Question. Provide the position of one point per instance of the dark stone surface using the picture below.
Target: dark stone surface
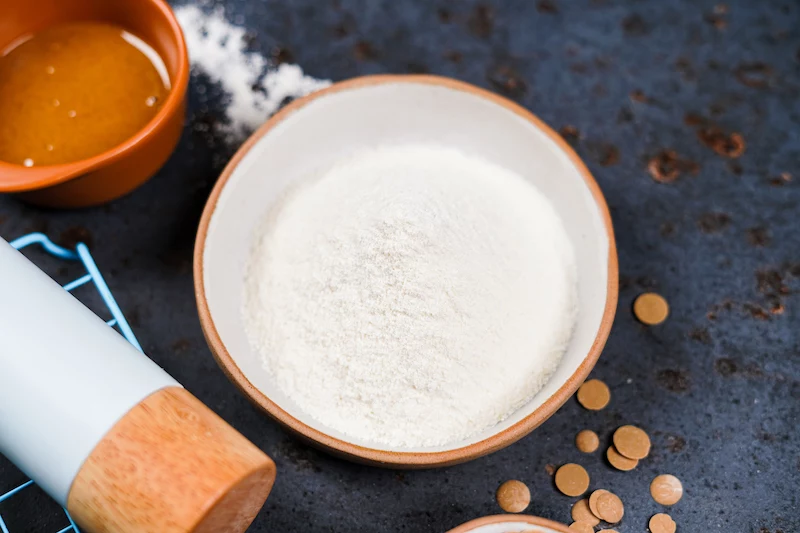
(717, 386)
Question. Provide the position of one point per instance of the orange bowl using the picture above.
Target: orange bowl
(120, 170)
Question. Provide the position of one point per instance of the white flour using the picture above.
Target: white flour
(411, 296)
(218, 48)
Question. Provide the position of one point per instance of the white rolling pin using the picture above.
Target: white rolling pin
(104, 430)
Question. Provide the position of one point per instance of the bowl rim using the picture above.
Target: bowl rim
(402, 459)
(500, 518)
(49, 175)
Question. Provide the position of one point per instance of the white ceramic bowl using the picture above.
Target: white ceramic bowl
(313, 133)
(508, 523)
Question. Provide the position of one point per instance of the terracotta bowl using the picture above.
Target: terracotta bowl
(123, 168)
(511, 523)
(314, 132)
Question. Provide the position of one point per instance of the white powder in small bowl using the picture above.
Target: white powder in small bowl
(411, 296)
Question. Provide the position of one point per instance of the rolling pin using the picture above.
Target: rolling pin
(105, 431)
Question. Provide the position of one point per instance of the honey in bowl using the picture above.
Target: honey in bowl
(74, 91)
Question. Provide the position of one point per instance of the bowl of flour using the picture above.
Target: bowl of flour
(406, 270)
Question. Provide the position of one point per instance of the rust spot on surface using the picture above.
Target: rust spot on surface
(675, 443)
(570, 133)
(181, 345)
(771, 282)
(550, 469)
(666, 166)
(546, 6)
(758, 236)
(70, 237)
(700, 335)
(727, 145)
(694, 119)
(364, 51)
(453, 56)
(506, 80)
(445, 15)
(674, 380)
(713, 222)
(781, 180)
(634, 25)
(637, 95)
(609, 155)
(667, 229)
(725, 367)
(717, 20)
(735, 167)
(757, 75)
(281, 54)
(481, 21)
(756, 311)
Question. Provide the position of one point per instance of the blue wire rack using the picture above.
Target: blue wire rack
(117, 320)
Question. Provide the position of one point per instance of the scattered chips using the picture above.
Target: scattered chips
(610, 508)
(587, 441)
(662, 523)
(513, 496)
(650, 308)
(619, 461)
(594, 395)
(593, 498)
(572, 479)
(582, 513)
(666, 489)
(582, 527)
(632, 442)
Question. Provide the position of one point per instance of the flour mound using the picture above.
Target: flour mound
(411, 296)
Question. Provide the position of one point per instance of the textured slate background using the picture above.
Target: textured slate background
(717, 386)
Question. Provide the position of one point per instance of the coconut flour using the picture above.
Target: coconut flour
(411, 296)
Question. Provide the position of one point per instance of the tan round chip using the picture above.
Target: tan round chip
(582, 513)
(594, 395)
(572, 479)
(651, 308)
(610, 507)
(632, 442)
(587, 441)
(666, 489)
(593, 498)
(662, 523)
(513, 496)
(582, 527)
(619, 461)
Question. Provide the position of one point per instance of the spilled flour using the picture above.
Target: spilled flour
(411, 296)
(219, 49)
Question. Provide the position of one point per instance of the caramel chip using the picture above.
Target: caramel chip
(572, 479)
(595, 496)
(619, 461)
(594, 395)
(610, 507)
(662, 523)
(666, 489)
(513, 496)
(651, 308)
(582, 513)
(582, 527)
(587, 441)
(632, 442)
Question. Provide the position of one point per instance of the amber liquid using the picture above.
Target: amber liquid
(74, 91)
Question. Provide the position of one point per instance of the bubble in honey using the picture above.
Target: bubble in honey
(151, 101)
(56, 102)
(72, 113)
(50, 147)
(28, 162)
(51, 69)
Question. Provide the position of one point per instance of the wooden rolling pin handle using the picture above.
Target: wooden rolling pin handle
(171, 465)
